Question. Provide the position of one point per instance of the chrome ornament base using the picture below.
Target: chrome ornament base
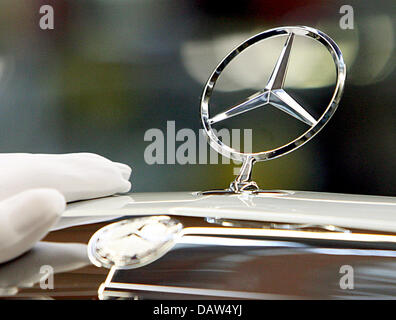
(247, 192)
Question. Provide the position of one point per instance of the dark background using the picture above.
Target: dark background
(111, 70)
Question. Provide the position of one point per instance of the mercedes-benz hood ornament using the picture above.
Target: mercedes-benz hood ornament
(273, 94)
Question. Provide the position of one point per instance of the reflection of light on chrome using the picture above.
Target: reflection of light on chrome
(354, 237)
(353, 252)
(310, 64)
(385, 270)
(218, 241)
(355, 202)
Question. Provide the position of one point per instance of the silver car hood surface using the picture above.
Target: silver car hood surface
(375, 213)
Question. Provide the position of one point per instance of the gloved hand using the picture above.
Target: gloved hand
(35, 187)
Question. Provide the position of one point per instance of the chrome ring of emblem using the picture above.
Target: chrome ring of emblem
(274, 87)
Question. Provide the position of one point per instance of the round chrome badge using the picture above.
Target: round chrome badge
(134, 242)
(275, 95)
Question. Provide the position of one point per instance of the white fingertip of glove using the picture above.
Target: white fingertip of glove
(26, 218)
(125, 170)
(78, 176)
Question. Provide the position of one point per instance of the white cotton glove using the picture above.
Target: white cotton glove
(36, 186)
(77, 176)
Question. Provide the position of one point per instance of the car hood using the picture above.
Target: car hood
(375, 213)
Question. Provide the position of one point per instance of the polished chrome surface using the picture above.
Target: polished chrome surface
(135, 242)
(238, 268)
(272, 94)
(274, 225)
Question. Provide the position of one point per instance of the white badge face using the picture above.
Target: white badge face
(273, 94)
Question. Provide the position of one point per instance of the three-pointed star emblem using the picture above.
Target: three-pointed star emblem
(272, 94)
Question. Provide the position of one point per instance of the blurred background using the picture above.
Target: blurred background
(111, 70)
